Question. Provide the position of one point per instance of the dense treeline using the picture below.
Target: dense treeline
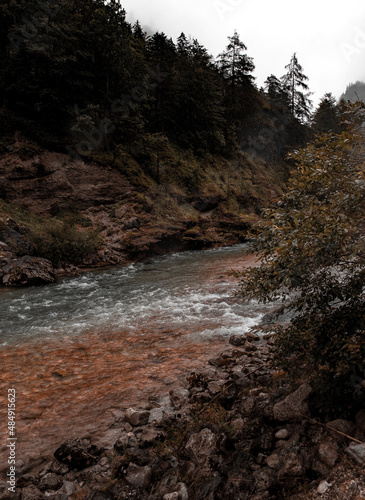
(76, 74)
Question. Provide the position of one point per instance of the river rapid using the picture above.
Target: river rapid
(79, 351)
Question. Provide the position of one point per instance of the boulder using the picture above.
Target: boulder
(137, 417)
(357, 452)
(26, 270)
(237, 340)
(139, 476)
(200, 447)
(294, 406)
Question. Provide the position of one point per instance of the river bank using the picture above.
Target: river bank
(234, 429)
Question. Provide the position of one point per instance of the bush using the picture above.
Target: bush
(312, 252)
(63, 243)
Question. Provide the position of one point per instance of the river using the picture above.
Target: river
(79, 351)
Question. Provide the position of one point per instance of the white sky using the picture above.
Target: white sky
(328, 36)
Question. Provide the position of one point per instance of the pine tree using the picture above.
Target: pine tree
(327, 116)
(294, 83)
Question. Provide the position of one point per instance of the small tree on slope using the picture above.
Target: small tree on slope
(312, 252)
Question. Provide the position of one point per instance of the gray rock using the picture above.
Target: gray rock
(156, 415)
(357, 452)
(293, 407)
(201, 446)
(171, 496)
(50, 482)
(137, 417)
(179, 397)
(282, 434)
(323, 487)
(139, 476)
(182, 491)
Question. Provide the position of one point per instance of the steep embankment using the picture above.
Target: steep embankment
(105, 209)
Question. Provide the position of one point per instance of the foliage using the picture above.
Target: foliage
(63, 243)
(312, 251)
(327, 116)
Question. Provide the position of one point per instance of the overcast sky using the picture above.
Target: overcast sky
(328, 36)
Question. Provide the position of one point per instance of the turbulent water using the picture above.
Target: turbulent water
(170, 292)
(78, 351)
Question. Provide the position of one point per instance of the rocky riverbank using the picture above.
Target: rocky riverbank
(238, 430)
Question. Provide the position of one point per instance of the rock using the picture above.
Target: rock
(127, 440)
(293, 466)
(293, 407)
(171, 496)
(128, 427)
(77, 454)
(139, 476)
(150, 435)
(345, 426)
(32, 493)
(328, 453)
(27, 271)
(156, 415)
(200, 447)
(182, 491)
(137, 417)
(215, 386)
(274, 461)
(179, 397)
(252, 337)
(50, 481)
(323, 487)
(282, 434)
(237, 340)
(357, 452)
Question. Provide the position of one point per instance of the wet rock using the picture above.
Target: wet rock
(237, 340)
(139, 476)
(294, 406)
(137, 417)
(357, 452)
(200, 447)
(77, 454)
(252, 337)
(27, 270)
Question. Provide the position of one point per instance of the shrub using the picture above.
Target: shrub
(312, 251)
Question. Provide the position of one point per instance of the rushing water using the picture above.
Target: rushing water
(79, 350)
(172, 292)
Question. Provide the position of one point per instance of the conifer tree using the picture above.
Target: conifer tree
(294, 83)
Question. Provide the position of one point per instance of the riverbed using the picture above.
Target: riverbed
(79, 351)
